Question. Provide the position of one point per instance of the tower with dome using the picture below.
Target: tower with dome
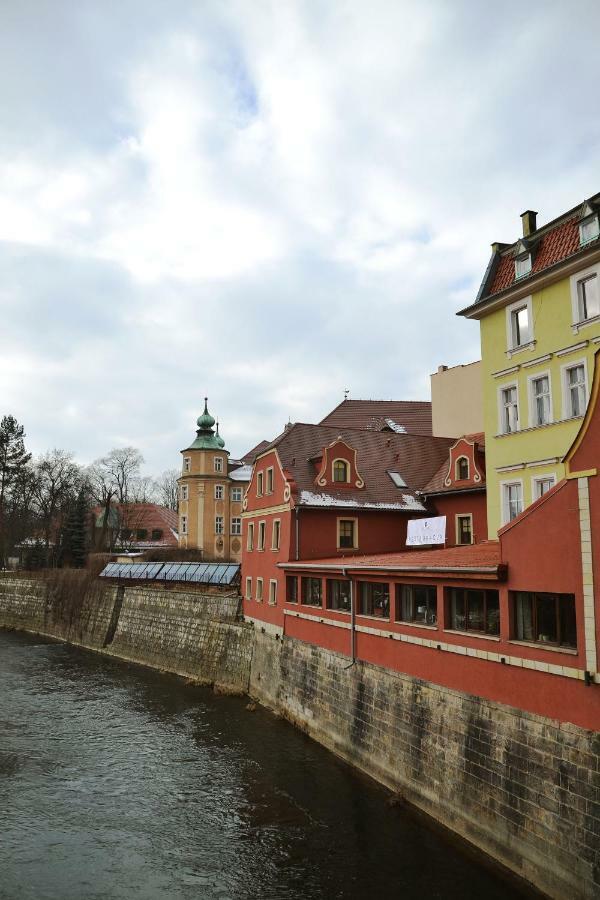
(211, 491)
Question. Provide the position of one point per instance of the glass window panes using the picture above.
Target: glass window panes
(338, 594)
(510, 410)
(523, 265)
(588, 229)
(541, 400)
(236, 494)
(236, 525)
(340, 470)
(462, 468)
(513, 498)
(576, 388)
(588, 296)
(219, 490)
(311, 591)
(276, 535)
(291, 589)
(346, 535)
(545, 618)
(521, 326)
(416, 603)
(374, 599)
(541, 486)
(473, 610)
(464, 530)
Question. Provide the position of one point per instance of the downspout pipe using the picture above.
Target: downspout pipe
(352, 622)
(297, 524)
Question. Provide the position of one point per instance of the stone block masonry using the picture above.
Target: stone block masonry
(524, 789)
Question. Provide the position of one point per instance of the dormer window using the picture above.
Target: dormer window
(589, 229)
(341, 471)
(522, 265)
(462, 468)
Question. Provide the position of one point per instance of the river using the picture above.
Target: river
(119, 783)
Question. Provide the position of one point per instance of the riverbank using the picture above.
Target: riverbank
(523, 789)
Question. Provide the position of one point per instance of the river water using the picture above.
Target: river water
(117, 782)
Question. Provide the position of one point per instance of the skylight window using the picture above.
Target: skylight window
(397, 479)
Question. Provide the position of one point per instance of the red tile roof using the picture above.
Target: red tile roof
(412, 415)
(474, 556)
(414, 457)
(149, 516)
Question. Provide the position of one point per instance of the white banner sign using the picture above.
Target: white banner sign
(426, 531)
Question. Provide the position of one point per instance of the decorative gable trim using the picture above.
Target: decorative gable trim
(328, 459)
(477, 477)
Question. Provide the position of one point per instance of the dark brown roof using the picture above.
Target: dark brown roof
(414, 416)
(436, 484)
(414, 457)
(555, 242)
(248, 458)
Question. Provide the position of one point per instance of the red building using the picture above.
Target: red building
(458, 491)
(320, 490)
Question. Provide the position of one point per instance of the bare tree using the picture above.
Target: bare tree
(112, 479)
(122, 464)
(57, 481)
(143, 489)
(168, 489)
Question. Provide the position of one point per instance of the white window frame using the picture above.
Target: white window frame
(588, 220)
(270, 480)
(537, 480)
(262, 535)
(250, 537)
(457, 531)
(187, 463)
(521, 258)
(260, 479)
(259, 590)
(532, 398)
(236, 525)
(513, 308)
(574, 282)
(273, 592)
(236, 495)
(219, 492)
(184, 492)
(504, 503)
(501, 389)
(219, 525)
(566, 392)
(184, 524)
(218, 463)
(248, 587)
(276, 532)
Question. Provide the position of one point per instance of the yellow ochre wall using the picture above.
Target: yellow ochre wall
(554, 335)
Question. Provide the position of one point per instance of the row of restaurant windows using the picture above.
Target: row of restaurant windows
(537, 617)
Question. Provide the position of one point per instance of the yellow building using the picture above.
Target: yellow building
(539, 309)
(211, 491)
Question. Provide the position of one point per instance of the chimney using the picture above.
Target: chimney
(442, 369)
(528, 219)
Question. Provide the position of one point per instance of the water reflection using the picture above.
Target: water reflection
(116, 782)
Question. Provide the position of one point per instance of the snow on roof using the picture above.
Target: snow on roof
(408, 502)
(244, 473)
(399, 429)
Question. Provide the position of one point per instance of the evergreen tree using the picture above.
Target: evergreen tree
(13, 460)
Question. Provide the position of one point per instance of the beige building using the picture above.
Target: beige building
(211, 491)
(457, 400)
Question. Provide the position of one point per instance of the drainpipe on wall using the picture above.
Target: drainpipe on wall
(352, 622)
(297, 511)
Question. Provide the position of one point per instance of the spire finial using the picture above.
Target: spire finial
(205, 421)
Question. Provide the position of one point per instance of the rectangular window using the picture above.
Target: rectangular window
(219, 491)
(248, 588)
(219, 525)
(184, 492)
(544, 618)
(576, 390)
(374, 599)
(270, 480)
(589, 229)
(262, 530)
(157, 534)
(186, 463)
(250, 536)
(522, 265)
(542, 485)
(346, 529)
(273, 592)
(259, 590)
(509, 402)
(291, 589)
(236, 525)
(512, 500)
(477, 611)
(338, 594)
(416, 603)
(218, 463)
(259, 484)
(520, 327)
(141, 534)
(540, 400)
(464, 529)
(588, 298)
(184, 524)
(236, 495)
(276, 536)
(311, 592)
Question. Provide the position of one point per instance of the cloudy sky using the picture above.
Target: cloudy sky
(266, 202)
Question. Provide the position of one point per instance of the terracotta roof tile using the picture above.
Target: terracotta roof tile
(484, 555)
(412, 415)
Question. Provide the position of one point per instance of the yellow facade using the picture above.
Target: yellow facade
(210, 497)
(559, 346)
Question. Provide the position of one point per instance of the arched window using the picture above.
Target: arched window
(340, 470)
(462, 468)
